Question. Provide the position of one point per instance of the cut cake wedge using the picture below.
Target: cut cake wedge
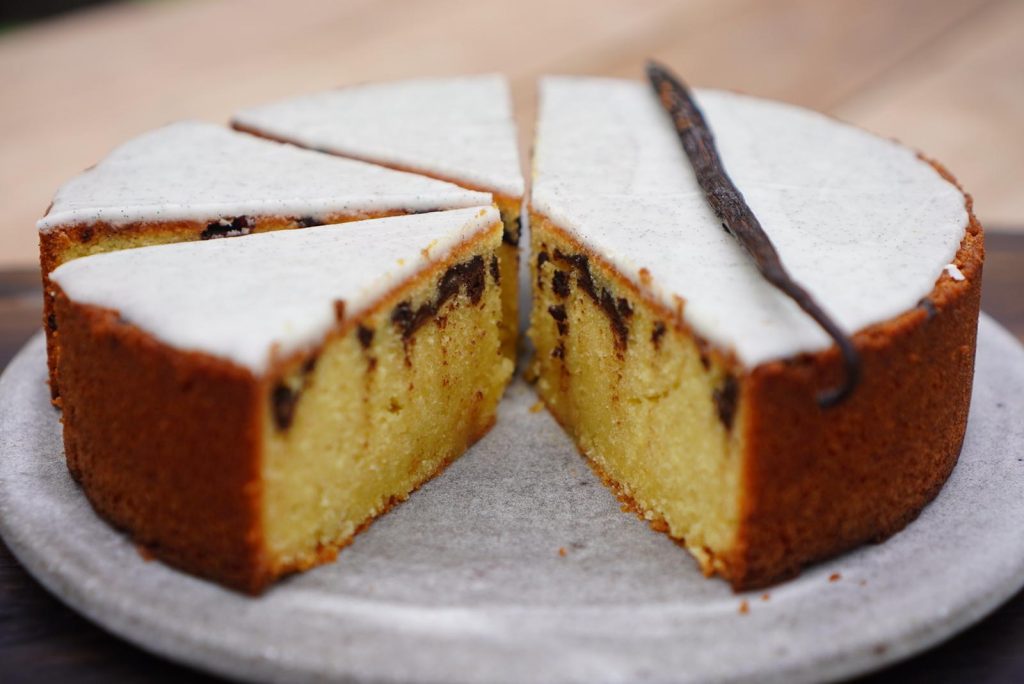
(690, 383)
(242, 408)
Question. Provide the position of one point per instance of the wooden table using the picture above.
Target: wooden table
(41, 640)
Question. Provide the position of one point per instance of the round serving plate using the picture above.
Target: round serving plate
(517, 564)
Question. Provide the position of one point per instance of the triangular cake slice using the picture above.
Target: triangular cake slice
(458, 129)
(197, 181)
(244, 407)
(689, 382)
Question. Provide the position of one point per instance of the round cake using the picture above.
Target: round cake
(242, 438)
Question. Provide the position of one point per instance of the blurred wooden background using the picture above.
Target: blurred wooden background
(945, 76)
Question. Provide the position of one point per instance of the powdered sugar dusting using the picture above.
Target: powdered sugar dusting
(459, 128)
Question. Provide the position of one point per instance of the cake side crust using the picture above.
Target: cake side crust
(164, 443)
(818, 483)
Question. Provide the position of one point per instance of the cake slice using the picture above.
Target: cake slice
(198, 181)
(457, 129)
(690, 383)
(242, 408)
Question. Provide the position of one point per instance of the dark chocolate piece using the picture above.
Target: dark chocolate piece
(725, 400)
(657, 333)
(511, 237)
(561, 318)
(619, 327)
(469, 275)
(240, 225)
(625, 308)
(495, 270)
(365, 336)
(559, 351)
(704, 351)
(51, 322)
(410, 320)
(560, 283)
(738, 219)
(283, 400)
(581, 263)
(617, 310)
(87, 234)
(402, 315)
(307, 221)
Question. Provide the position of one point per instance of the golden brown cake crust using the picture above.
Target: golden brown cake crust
(817, 482)
(182, 466)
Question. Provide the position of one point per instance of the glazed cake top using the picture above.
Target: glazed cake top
(458, 128)
(239, 298)
(200, 171)
(862, 222)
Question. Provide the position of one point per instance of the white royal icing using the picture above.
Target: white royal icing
(863, 223)
(239, 298)
(457, 128)
(200, 171)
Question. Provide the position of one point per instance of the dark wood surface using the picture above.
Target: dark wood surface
(41, 640)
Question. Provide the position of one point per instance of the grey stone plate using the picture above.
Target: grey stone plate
(465, 581)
